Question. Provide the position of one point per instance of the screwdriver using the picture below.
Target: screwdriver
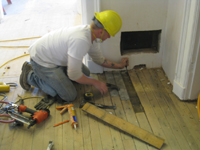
(127, 63)
(61, 123)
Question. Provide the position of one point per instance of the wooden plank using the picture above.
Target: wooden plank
(171, 141)
(189, 125)
(58, 142)
(131, 118)
(120, 83)
(105, 134)
(78, 135)
(192, 106)
(144, 124)
(110, 79)
(157, 130)
(166, 118)
(163, 79)
(182, 114)
(128, 141)
(94, 126)
(136, 104)
(116, 136)
(87, 141)
(124, 125)
(125, 111)
(168, 87)
(49, 130)
(185, 139)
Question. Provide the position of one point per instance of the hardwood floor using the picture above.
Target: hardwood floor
(145, 99)
(164, 115)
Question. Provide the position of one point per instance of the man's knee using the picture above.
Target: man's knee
(72, 97)
(68, 96)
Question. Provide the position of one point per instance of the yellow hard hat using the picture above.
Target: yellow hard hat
(110, 20)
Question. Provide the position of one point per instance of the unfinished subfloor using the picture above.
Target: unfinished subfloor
(145, 98)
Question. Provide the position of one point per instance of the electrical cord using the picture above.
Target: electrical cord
(13, 59)
(24, 98)
(21, 39)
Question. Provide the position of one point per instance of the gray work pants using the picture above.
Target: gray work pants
(54, 81)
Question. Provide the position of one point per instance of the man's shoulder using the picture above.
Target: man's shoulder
(79, 27)
(81, 32)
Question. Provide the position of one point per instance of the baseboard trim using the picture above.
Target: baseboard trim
(178, 90)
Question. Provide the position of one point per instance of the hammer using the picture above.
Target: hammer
(112, 86)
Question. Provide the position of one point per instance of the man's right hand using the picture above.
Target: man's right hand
(101, 86)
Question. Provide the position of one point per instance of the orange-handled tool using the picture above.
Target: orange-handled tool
(71, 110)
(61, 123)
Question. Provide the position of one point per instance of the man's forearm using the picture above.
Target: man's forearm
(86, 80)
(110, 64)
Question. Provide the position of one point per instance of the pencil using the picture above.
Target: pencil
(61, 123)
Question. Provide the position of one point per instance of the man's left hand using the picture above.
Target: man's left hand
(124, 62)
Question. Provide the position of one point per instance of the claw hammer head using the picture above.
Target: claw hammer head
(112, 86)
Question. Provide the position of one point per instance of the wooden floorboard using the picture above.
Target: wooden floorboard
(182, 114)
(169, 124)
(115, 134)
(149, 110)
(164, 114)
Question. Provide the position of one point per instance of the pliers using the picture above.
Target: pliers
(6, 121)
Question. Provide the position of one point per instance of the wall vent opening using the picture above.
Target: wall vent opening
(140, 41)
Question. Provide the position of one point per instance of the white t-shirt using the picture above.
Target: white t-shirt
(66, 47)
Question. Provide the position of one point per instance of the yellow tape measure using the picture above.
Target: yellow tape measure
(88, 96)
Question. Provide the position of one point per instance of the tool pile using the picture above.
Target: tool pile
(14, 111)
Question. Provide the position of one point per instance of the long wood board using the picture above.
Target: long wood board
(124, 125)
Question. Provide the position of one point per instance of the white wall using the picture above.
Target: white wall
(179, 54)
(193, 85)
(137, 15)
(174, 24)
(187, 57)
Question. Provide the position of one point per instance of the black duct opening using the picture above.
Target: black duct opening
(140, 41)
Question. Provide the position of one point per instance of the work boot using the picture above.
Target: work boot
(26, 68)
